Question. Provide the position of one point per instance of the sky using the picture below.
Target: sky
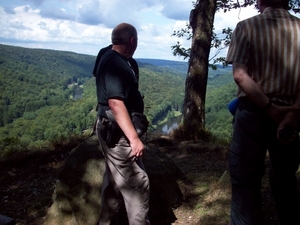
(85, 26)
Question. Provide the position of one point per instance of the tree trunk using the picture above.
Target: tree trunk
(201, 21)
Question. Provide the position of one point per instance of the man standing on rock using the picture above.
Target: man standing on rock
(125, 179)
(265, 53)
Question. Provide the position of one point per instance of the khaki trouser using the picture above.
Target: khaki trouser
(124, 180)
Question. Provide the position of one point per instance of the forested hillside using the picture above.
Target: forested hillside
(31, 79)
(218, 118)
(37, 104)
(176, 66)
(48, 96)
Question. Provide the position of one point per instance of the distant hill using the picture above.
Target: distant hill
(182, 66)
(49, 95)
(177, 66)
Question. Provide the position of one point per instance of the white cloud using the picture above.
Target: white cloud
(57, 13)
(85, 26)
(177, 9)
(90, 13)
(231, 18)
(38, 27)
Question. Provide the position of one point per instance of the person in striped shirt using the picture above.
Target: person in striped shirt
(265, 57)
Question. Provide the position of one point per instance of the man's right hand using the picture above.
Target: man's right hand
(137, 147)
(277, 113)
(287, 130)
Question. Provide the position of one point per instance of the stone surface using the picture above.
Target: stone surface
(76, 198)
(4, 220)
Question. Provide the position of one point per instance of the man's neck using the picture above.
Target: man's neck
(262, 8)
(121, 49)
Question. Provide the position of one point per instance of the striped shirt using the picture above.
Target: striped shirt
(269, 45)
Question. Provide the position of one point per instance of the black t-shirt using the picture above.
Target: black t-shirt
(116, 79)
(100, 54)
(102, 51)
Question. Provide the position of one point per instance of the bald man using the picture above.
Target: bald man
(125, 179)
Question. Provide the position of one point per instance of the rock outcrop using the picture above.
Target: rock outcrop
(76, 198)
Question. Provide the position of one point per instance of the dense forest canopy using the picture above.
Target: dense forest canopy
(37, 104)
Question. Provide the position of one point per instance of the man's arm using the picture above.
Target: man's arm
(248, 85)
(255, 94)
(124, 121)
(285, 116)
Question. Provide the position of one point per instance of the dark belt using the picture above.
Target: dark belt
(101, 110)
(247, 104)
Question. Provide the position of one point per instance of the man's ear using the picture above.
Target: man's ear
(133, 40)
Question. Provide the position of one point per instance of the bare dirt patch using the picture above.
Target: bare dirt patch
(27, 184)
